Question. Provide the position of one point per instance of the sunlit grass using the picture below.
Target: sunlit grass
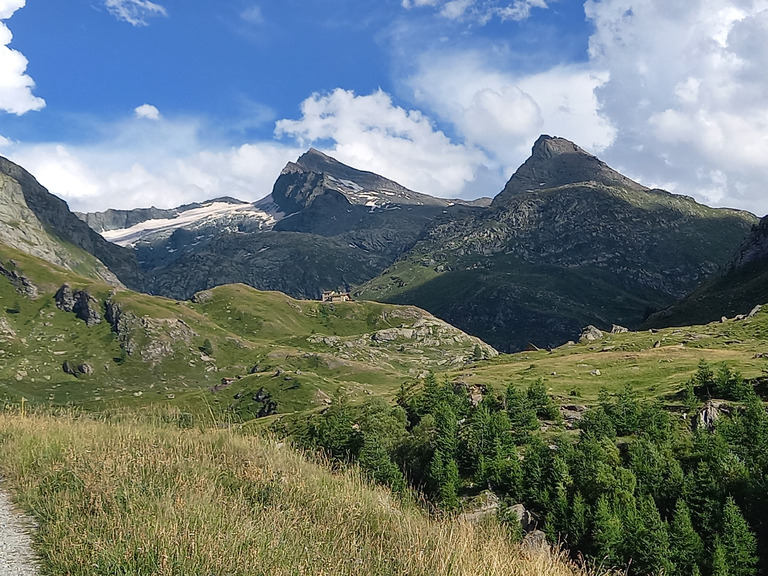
(130, 496)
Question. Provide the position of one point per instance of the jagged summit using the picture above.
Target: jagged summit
(558, 162)
(316, 174)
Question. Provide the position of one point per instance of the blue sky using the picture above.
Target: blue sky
(125, 103)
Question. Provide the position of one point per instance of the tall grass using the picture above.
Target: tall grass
(146, 498)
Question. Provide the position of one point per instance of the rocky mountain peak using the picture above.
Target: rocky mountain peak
(558, 162)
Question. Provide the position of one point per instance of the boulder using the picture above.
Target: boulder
(755, 311)
(616, 329)
(711, 413)
(590, 334)
(481, 506)
(536, 542)
(69, 368)
(85, 368)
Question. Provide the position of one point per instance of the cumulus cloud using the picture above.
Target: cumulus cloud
(371, 132)
(135, 12)
(688, 91)
(147, 111)
(164, 163)
(502, 112)
(480, 10)
(16, 86)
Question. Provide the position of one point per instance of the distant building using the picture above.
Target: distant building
(333, 296)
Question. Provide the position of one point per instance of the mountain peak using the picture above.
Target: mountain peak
(558, 162)
(549, 146)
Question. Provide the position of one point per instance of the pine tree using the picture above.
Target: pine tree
(378, 465)
(651, 553)
(578, 522)
(607, 534)
(738, 541)
(719, 560)
(521, 417)
(685, 545)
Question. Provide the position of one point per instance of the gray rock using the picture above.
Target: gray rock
(755, 311)
(711, 413)
(590, 334)
(85, 306)
(485, 505)
(616, 329)
(536, 542)
(85, 368)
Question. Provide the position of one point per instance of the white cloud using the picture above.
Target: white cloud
(689, 94)
(135, 12)
(163, 163)
(503, 113)
(147, 111)
(480, 10)
(370, 132)
(15, 85)
(253, 15)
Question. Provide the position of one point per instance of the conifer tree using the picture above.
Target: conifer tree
(650, 541)
(607, 534)
(578, 522)
(521, 417)
(686, 547)
(738, 541)
(719, 560)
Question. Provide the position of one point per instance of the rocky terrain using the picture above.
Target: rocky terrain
(324, 226)
(737, 290)
(41, 224)
(568, 242)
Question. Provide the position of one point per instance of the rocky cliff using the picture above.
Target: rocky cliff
(39, 223)
(737, 290)
(568, 242)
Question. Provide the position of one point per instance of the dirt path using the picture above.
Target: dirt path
(16, 556)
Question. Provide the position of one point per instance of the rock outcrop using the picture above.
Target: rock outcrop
(85, 306)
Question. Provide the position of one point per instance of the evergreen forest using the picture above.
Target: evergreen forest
(637, 486)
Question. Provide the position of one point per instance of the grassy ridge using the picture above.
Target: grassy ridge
(655, 363)
(299, 352)
(149, 498)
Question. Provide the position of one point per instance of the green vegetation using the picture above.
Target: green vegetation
(637, 489)
(234, 351)
(152, 497)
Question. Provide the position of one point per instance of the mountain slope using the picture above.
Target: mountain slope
(568, 242)
(324, 226)
(742, 286)
(41, 224)
(68, 339)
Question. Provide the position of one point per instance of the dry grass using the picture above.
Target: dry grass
(145, 498)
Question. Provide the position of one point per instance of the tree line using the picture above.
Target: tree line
(636, 488)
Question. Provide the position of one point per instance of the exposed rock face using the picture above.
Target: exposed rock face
(568, 242)
(616, 329)
(558, 162)
(742, 286)
(40, 224)
(23, 285)
(85, 306)
(754, 249)
(153, 339)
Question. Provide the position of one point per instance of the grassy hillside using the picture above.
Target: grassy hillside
(147, 498)
(231, 345)
(656, 363)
